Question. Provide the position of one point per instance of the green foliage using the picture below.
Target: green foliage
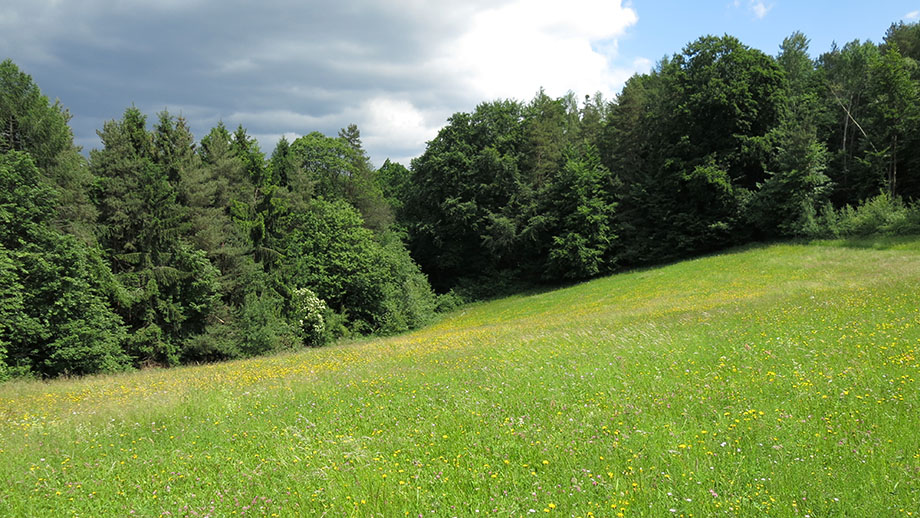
(409, 302)
(170, 287)
(338, 169)
(374, 283)
(56, 318)
(874, 95)
(460, 212)
(246, 148)
(880, 215)
(263, 328)
(727, 97)
(449, 301)
(693, 145)
(785, 203)
(895, 113)
(395, 182)
(846, 72)
(906, 37)
(546, 132)
(222, 213)
(11, 309)
(30, 123)
(796, 184)
(579, 218)
(282, 165)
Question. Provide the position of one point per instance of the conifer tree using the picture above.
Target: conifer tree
(30, 123)
(170, 287)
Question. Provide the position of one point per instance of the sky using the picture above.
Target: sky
(396, 68)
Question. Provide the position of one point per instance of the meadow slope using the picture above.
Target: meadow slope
(777, 380)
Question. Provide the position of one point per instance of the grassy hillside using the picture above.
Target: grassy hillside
(776, 380)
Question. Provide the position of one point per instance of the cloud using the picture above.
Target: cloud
(397, 68)
(512, 50)
(396, 124)
(760, 9)
(913, 15)
(757, 7)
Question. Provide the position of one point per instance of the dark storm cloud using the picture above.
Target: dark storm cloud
(397, 68)
(214, 59)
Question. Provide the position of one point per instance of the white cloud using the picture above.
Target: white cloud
(514, 49)
(760, 9)
(913, 15)
(508, 50)
(395, 123)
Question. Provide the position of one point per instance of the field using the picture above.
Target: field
(775, 380)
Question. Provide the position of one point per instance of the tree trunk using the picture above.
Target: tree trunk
(893, 176)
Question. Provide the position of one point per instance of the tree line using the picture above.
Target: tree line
(719, 145)
(159, 249)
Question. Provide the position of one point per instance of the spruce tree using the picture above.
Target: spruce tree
(170, 287)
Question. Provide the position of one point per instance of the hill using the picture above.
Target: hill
(772, 380)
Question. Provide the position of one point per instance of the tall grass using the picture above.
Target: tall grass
(774, 381)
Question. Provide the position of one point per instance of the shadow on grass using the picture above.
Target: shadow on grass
(911, 242)
(521, 289)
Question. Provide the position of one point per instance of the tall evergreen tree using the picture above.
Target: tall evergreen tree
(219, 195)
(282, 164)
(170, 288)
(796, 185)
(30, 123)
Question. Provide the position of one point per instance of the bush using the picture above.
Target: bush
(409, 302)
(882, 214)
(262, 327)
(449, 301)
(310, 316)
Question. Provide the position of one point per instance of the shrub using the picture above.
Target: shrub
(309, 315)
(882, 214)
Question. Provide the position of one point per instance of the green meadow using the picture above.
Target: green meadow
(775, 380)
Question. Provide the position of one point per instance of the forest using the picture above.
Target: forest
(160, 249)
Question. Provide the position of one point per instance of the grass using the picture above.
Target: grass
(778, 380)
